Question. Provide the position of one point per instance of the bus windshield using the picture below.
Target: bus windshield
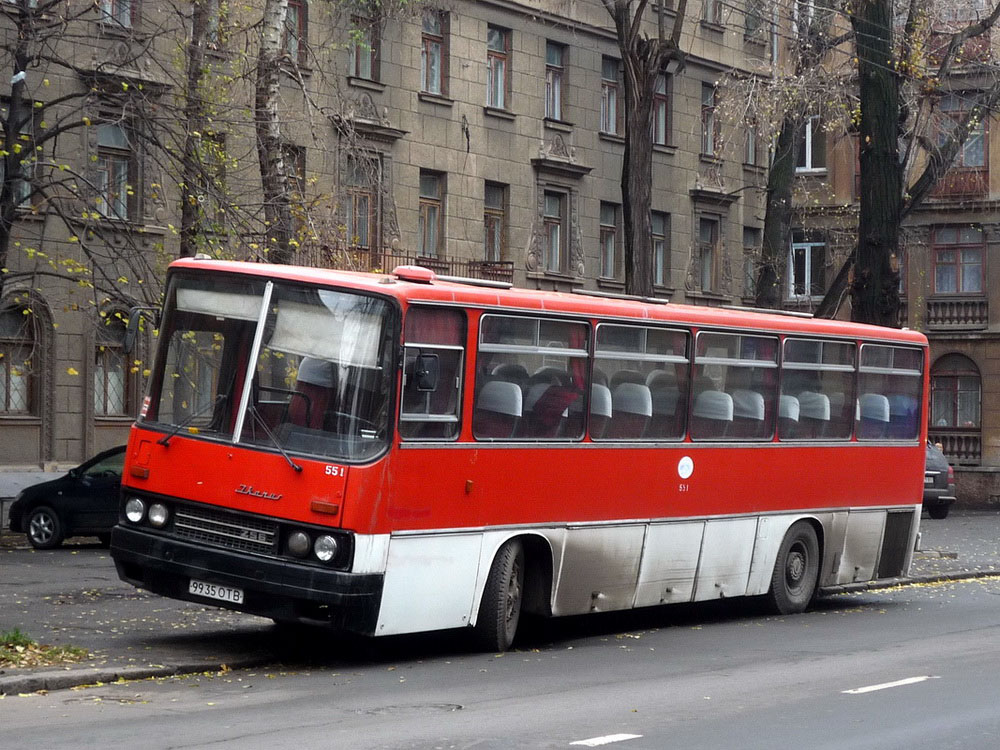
(295, 368)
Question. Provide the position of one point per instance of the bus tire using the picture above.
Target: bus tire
(796, 570)
(500, 608)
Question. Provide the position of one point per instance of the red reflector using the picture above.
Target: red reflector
(318, 506)
(139, 471)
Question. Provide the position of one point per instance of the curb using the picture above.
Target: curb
(35, 682)
(853, 588)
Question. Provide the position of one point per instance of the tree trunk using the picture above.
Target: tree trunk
(637, 178)
(18, 115)
(778, 216)
(193, 168)
(275, 181)
(875, 287)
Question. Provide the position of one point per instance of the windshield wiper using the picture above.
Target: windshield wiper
(267, 431)
(165, 440)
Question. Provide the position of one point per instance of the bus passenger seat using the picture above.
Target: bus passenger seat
(711, 415)
(666, 397)
(814, 413)
(748, 413)
(902, 416)
(631, 410)
(600, 410)
(788, 416)
(626, 376)
(498, 410)
(511, 372)
(874, 408)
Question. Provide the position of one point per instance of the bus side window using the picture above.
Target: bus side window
(648, 385)
(434, 356)
(889, 384)
(545, 362)
(818, 377)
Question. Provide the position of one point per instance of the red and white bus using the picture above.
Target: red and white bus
(401, 453)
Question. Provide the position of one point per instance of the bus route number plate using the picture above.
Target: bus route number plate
(215, 591)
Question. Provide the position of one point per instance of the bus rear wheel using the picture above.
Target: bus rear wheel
(796, 570)
(500, 609)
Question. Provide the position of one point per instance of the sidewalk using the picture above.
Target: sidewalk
(73, 596)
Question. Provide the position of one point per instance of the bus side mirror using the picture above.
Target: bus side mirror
(426, 372)
(132, 329)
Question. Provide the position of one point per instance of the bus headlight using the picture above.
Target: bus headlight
(158, 515)
(298, 543)
(325, 548)
(135, 510)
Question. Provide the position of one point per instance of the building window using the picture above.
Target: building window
(751, 152)
(660, 223)
(116, 11)
(753, 20)
(495, 221)
(954, 109)
(751, 253)
(431, 221)
(296, 30)
(713, 11)
(955, 393)
(365, 48)
(554, 219)
(610, 86)
(609, 240)
(111, 369)
(363, 174)
(555, 79)
(661, 111)
(17, 351)
(959, 254)
(21, 186)
(497, 67)
(709, 121)
(811, 156)
(806, 268)
(708, 251)
(115, 172)
(434, 52)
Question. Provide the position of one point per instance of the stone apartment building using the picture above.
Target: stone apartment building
(478, 138)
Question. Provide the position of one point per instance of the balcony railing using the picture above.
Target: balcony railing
(964, 448)
(963, 183)
(957, 313)
(384, 262)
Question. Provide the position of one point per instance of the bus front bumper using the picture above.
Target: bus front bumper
(280, 589)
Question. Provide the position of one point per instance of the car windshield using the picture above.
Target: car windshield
(292, 368)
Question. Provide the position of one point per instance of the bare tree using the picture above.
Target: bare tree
(644, 59)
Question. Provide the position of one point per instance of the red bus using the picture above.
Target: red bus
(399, 453)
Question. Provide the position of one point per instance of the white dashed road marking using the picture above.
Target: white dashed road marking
(606, 740)
(887, 685)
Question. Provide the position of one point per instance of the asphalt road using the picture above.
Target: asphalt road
(922, 662)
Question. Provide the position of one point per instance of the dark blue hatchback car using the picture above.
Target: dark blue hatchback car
(82, 502)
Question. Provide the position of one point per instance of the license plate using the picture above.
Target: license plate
(215, 591)
(928, 480)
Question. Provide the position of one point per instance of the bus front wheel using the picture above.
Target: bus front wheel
(500, 609)
(796, 570)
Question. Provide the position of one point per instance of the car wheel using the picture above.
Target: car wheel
(45, 530)
(938, 512)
